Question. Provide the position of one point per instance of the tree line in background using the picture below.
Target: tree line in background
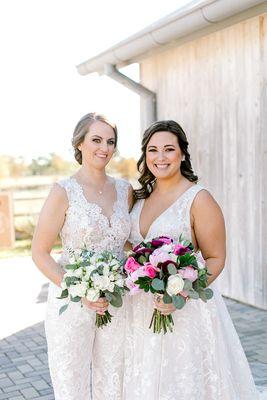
(53, 164)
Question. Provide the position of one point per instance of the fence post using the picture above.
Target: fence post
(7, 231)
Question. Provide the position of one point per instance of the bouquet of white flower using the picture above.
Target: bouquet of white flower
(93, 275)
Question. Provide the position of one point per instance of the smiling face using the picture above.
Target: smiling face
(98, 145)
(163, 155)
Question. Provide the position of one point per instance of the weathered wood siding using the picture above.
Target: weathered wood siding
(215, 87)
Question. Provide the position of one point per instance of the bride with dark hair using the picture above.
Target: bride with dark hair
(202, 359)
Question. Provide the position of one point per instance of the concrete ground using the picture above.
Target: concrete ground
(23, 361)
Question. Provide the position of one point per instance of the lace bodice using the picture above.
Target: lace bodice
(86, 226)
(172, 222)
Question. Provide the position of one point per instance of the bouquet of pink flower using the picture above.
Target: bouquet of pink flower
(173, 271)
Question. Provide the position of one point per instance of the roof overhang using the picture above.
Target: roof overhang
(199, 16)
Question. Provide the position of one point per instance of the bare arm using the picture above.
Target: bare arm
(209, 231)
(48, 227)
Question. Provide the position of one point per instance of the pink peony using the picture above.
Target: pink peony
(189, 273)
(158, 256)
(180, 250)
(131, 265)
(137, 273)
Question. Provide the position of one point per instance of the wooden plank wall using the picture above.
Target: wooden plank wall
(215, 87)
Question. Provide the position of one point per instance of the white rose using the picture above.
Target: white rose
(175, 284)
(106, 270)
(92, 294)
(100, 282)
(105, 282)
(69, 272)
(89, 269)
(111, 286)
(120, 282)
(78, 290)
(78, 272)
(111, 277)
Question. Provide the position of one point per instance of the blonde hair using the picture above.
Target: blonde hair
(82, 128)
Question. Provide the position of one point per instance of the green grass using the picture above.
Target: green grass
(22, 248)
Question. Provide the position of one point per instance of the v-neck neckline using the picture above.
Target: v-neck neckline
(142, 202)
(94, 204)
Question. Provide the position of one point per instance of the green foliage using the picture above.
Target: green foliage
(172, 269)
(75, 299)
(157, 284)
(70, 280)
(193, 294)
(167, 299)
(178, 302)
(64, 294)
(116, 300)
(63, 308)
(208, 293)
(142, 259)
(187, 285)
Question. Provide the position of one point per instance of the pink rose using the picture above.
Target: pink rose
(132, 286)
(158, 256)
(189, 273)
(180, 250)
(150, 270)
(131, 265)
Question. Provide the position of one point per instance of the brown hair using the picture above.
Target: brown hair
(147, 179)
(82, 128)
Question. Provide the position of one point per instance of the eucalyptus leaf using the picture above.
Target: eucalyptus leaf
(108, 296)
(202, 295)
(116, 300)
(75, 299)
(70, 266)
(178, 302)
(64, 294)
(142, 259)
(208, 293)
(187, 285)
(171, 269)
(167, 299)
(193, 294)
(63, 308)
(157, 284)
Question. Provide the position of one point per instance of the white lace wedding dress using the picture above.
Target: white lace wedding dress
(203, 358)
(72, 338)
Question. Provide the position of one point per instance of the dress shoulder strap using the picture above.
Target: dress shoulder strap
(70, 186)
(191, 195)
(123, 187)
